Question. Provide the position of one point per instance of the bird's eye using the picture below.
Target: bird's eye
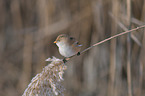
(60, 36)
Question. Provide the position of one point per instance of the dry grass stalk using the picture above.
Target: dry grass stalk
(112, 69)
(121, 25)
(48, 82)
(129, 80)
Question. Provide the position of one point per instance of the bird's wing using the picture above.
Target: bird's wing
(74, 42)
(77, 44)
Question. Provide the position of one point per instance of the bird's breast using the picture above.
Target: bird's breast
(67, 51)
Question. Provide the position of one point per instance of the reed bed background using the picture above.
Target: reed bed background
(115, 68)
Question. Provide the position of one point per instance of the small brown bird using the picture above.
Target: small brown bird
(68, 46)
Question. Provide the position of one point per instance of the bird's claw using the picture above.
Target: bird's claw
(78, 53)
(64, 60)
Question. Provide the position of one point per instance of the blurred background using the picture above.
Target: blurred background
(115, 68)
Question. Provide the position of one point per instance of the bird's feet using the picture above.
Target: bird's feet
(78, 53)
(64, 60)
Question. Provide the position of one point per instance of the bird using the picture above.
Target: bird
(67, 45)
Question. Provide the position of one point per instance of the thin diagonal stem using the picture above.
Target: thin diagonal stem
(117, 35)
(112, 37)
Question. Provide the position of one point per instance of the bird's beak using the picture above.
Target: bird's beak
(54, 42)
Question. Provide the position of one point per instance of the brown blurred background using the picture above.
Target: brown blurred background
(29, 27)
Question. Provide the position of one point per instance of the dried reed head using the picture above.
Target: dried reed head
(48, 82)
